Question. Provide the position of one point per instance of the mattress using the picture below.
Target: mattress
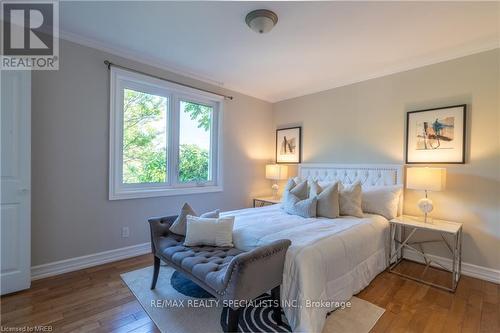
(328, 262)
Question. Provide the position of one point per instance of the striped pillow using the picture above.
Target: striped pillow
(294, 206)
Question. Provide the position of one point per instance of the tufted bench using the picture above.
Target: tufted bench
(231, 275)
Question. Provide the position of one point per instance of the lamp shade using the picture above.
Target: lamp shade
(429, 179)
(276, 172)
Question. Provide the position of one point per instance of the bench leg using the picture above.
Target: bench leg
(275, 294)
(233, 319)
(155, 272)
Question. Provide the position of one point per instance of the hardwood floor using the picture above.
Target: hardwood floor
(96, 300)
(90, 300)
(415, 307)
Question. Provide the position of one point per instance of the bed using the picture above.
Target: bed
(329, 260)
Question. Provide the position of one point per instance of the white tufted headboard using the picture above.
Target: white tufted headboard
(367, 174)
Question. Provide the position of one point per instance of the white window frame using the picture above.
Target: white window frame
(121, 79)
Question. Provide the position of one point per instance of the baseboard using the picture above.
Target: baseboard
(74, 264)
(478, 272)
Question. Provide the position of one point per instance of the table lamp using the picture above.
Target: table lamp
(426, 179)
(276, 172)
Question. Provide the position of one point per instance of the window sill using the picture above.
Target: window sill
(152, 193)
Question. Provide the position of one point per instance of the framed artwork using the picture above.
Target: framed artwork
(288, 145)
(436, 135)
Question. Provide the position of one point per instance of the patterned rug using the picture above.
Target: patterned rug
(253, 319)
(179, 305)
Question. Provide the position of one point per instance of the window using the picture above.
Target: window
(164, 138)
(144, 154)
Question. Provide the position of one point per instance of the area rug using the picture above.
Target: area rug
(173, 311)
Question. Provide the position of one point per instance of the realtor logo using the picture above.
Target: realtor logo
(30, 35)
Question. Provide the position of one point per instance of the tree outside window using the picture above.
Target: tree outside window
(145, 139)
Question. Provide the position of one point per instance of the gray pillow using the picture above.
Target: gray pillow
(328, 199)
(179, 225)
(350, 200)
(300, 190)
(305, 208)
(297, 189)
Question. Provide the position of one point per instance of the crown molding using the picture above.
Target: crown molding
(133, 55)
(161, 64)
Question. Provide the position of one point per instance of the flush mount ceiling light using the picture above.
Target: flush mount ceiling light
(261, 20)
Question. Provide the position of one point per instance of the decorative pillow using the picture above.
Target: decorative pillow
(209, 231)
(179, 225)
(213, 214)
(305, 208)
(350, 200)
(289, 185)
(297, 189)
(328, 199)
(300, 190)
(381, 200)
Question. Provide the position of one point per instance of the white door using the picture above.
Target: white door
(15, 221)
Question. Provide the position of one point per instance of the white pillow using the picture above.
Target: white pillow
(350, 200)
(381, 200)
(209, 231)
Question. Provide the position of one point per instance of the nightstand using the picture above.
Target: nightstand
(403, 228)
(265, 201)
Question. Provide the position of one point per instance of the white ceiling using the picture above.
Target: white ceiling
(315, 46)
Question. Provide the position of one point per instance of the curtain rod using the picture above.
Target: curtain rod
(109, 64)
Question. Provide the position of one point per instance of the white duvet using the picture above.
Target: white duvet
(329, 259)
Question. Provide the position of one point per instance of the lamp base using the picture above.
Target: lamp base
(426, 206)
(275, 189)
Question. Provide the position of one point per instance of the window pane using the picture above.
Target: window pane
(144, 137)
(194, 142)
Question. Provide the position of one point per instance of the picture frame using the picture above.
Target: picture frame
(436, 136)
(289, 145)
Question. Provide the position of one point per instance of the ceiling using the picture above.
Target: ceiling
(314, 47)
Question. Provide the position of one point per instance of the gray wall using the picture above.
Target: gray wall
(365, 123)
(71, 213)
